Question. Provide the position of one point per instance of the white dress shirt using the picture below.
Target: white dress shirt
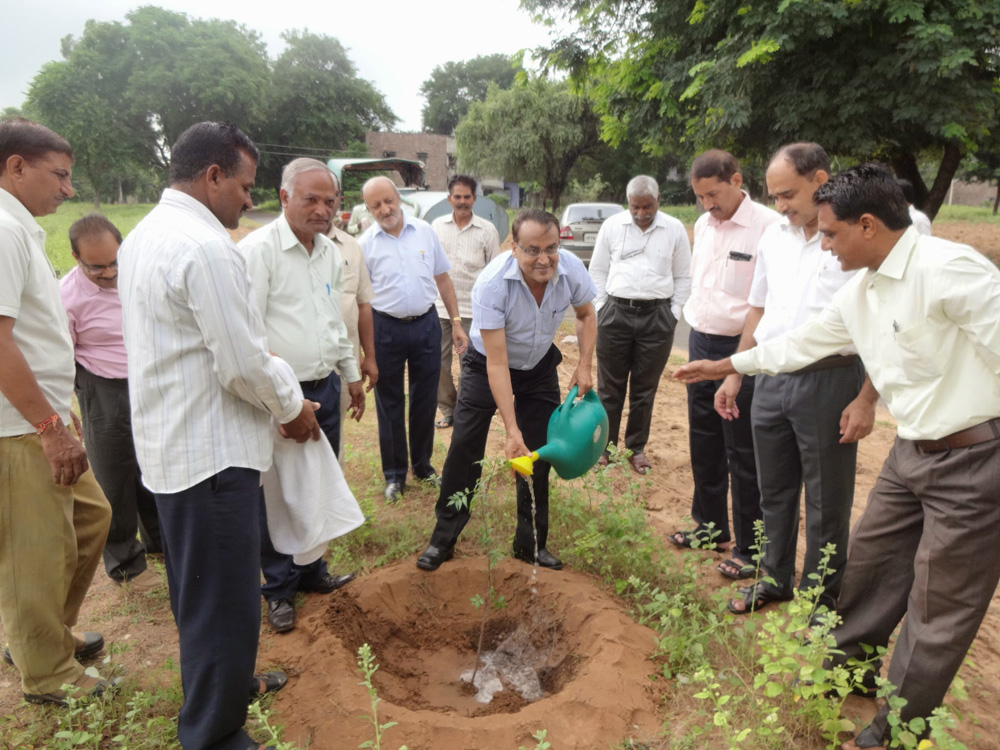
(927, 327)
(722, 266)
(469, 250)
(794, 279)
(202, 382)
(920, 220)
(403, 268)
(29, 293)
(633, 264)
(298, 294)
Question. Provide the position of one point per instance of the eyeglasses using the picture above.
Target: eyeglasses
(534, 252)
(100, 269)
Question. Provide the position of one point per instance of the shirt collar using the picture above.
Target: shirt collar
(79, 279)
(476, 221)
(288, 241)
(798, 232)
(184, 202)
(406, 223)
(659, 221)
(15, 208)
(896, 261)
(743, 216)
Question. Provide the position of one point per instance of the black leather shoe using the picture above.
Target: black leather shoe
(328, 583)
(545, 559)
(267, 682)
(281, 615)
(393, 491)
(432, 557)
(87, 646)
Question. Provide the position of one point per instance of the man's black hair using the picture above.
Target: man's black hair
(907, 187)
(865, 189)
(463, 179)
(806, 158)
(91, 225)
(716, 163)
(207, 143)
(29, 140)
(536, 215)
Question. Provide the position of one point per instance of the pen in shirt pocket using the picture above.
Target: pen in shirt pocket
(328, 288)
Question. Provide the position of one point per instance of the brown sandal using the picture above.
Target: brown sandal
(640, 463)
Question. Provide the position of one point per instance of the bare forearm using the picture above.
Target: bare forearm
(747, 340)
(447, 291)
(366, 329)
(503, 393)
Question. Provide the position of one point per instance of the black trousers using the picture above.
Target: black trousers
(211, 539)
(633, 345)
(107, 433)
(536, 396)
(282, 576)
(414, 346)
(722, 454)
(796, 429)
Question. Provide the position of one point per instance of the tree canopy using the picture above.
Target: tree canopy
(535, 132)
(885, 79)
(452, 87)
(125, 91)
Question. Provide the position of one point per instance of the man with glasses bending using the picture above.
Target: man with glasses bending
(518, 302)
(642, 270)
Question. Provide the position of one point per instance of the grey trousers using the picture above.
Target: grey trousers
(107, 434)
(926, 547)
(796, 432)
(633, 345)
(447, 389)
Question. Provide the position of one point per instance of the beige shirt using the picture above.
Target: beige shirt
(299, 298)
(29, 293)
(927, 326)
(469, 249)
(357, 284)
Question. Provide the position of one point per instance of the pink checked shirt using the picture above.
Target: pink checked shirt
(95, 325)
(722, 266)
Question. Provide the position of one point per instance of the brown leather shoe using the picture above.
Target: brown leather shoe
(85, 688)
(86, 646)
(640, 463)
(143, 583)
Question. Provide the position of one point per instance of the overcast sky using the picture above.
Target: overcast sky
(394, 43)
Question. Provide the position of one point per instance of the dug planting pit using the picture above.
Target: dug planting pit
(567, 659)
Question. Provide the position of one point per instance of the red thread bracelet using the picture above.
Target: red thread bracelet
(44, 425)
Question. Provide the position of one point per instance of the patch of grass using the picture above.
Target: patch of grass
(973, 214)
(686, 214)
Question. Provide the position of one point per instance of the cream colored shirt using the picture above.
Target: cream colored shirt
(722, 267)
(793, 281)
(469, 249)
(29, 293)
(635, 264)
(299, 298)
(927, 326)
(357, 284)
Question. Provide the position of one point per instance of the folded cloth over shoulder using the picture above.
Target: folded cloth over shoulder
(307, 498)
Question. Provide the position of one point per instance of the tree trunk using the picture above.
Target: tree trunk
(996, 203)
(950, 160)
(905, 166)
(97, 197)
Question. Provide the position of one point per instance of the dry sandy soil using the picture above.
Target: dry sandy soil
(592, 658)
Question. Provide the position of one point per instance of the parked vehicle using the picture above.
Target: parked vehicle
(579, 225)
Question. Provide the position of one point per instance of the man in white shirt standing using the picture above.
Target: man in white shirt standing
(204, 389)
(53, 515)
(806, 424)
(722, 455)
(470, 242)
(923, 316)
(409, 270)
(641, 267)
(297, 277)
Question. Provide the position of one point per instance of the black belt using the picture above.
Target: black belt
(406, 318)
(314, 384)
(639, 303)
(829, 363)
(719, 336)
(974, 435)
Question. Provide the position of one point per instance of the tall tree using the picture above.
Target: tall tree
(886, 79)
(81, 98)
(317, 101)
(535, 132)
(452, 87)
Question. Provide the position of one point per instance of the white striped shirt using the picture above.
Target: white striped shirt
(202, 383)
(469, 249)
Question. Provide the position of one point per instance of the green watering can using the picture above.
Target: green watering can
(578, 434)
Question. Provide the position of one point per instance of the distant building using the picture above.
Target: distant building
(437, 152)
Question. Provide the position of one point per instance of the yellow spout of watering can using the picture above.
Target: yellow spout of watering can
(577, 435)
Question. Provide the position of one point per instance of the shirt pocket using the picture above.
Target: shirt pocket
(919, 351)
(739, 275)
(663, 264)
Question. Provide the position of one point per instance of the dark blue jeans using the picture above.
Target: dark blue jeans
(210, 535)
(282, 577)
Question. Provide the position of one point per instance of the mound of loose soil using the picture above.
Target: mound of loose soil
(591, 660)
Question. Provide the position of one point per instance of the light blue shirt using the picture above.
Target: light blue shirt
(403, 268)
(501, 299)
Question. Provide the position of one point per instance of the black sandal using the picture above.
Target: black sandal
(755, 598)
(268, 682)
